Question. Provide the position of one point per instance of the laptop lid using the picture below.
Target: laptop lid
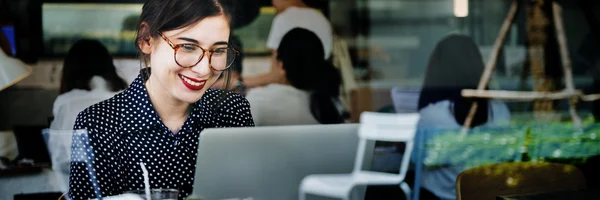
(268, 163)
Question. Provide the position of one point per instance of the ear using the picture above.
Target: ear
(145, 43)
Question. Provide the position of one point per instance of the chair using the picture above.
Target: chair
(374, 127)
(490, 181)
(59, 147)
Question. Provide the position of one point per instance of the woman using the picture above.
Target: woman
(308, 87)
(157, 120)
(455, 64)
(88, 77)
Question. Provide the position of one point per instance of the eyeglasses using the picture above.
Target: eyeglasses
(189, 55)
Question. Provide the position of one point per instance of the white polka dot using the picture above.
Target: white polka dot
(125, 130)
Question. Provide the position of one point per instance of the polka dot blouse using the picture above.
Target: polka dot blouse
(126, 130)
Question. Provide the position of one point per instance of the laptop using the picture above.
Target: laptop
(268, 163)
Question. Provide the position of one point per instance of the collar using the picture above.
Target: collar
(137, 111)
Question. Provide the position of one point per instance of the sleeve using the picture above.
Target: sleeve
(89, 169)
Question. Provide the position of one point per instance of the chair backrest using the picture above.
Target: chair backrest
(387, 127)
(490, 181)
(59, 147)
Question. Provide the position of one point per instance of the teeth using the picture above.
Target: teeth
(191, 82)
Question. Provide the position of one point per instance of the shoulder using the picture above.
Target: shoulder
(225, 102)
(437, 115)
(300, 11)
(262, 97)
(223, 97)
(231, 109)
(256, 95)
(64, 99)
(435, 108)
(98, 115)
(69, 96)
(261, 92)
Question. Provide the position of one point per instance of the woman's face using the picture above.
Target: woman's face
(186, 84)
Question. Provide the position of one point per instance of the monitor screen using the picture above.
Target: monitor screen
(113, 24)
(9, 32)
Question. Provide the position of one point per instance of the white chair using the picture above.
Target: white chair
(59, 147)
(376, 127)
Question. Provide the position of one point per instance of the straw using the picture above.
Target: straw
(146, 180)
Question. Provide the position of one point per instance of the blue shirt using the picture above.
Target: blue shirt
(441, 181)
(126, 130)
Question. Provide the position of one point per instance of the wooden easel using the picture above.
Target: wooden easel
(569, 92)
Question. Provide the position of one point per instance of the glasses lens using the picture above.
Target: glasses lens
(188, 55)
(222, 58)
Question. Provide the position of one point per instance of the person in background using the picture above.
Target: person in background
(235, 70)
(158, 119)
(293, 14)
(455, 64)
(88, 77)
(306, 93)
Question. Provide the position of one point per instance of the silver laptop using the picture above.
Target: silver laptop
(268, 163)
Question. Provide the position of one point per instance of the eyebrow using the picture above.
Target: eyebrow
(220, 43)
(196, 41)
(188, 39)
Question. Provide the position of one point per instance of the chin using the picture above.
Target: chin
(190, 97)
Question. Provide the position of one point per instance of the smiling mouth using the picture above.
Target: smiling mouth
(191, 83)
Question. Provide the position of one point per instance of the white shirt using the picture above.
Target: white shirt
(307, 18)
(68, 105)
(277, 104)
(65, 110)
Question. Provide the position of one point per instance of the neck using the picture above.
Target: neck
(171, 111)
(299, 4)
(283, 81)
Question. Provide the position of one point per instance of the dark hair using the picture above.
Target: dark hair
(4, 44)
(85, 59)
(455, 64)
(301, 52)
(166, 15)
(236, 43)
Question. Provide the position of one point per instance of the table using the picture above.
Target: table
(587, 194)
(44, 181)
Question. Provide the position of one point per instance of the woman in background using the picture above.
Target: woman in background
(308, 87)
(455, 64)
(88, 77)
(235, 71)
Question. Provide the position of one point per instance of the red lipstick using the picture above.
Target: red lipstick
(192, 83)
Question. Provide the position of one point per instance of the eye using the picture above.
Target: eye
(189, 48)
(221, 51)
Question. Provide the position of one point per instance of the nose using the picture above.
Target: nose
(203, 68)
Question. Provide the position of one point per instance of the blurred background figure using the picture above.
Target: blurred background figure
(235, 71)
(307, 92)
(88, 77)
(293, 14)
(455, 64)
